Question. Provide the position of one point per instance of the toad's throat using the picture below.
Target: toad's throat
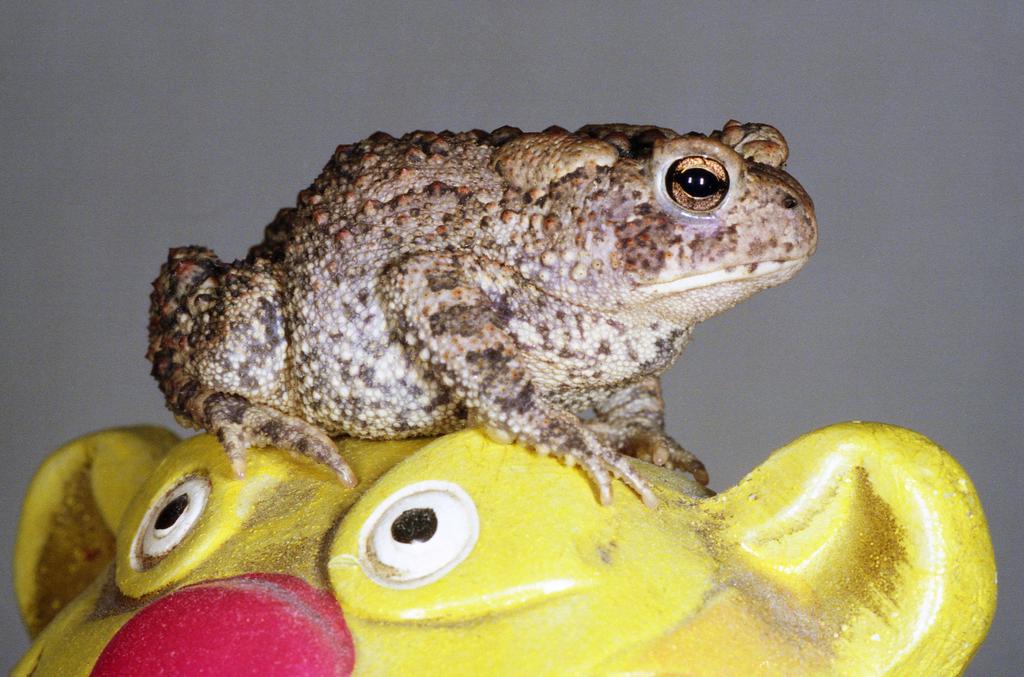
(744, 271)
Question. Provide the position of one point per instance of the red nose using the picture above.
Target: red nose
(259, 624)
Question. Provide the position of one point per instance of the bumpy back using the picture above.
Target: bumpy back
(182, 292)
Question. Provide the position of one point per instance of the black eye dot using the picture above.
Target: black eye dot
(171, 512)
(698, 182)
(789, 202)
(415, 525)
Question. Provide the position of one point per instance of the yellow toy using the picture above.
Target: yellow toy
(859, 549)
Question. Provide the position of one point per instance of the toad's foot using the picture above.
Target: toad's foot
(632, 421)
(652, 446)
(563, 436)
(240, 424)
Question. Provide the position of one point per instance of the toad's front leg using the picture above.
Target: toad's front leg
(632, 420)
(445, 310)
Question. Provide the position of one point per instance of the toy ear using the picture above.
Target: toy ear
(877, 532)
(74, 503)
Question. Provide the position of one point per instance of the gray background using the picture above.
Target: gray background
(128, 130)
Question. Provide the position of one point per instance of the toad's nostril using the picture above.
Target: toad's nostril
(248, 625)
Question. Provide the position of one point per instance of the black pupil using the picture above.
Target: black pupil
(415, 525)
(171, 512)
(699, 182)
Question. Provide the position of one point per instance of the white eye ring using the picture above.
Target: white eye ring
(169, 521)
(667, 154)
(418, 534)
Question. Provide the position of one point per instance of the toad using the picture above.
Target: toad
(508, 280)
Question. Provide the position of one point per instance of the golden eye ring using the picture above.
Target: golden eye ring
(697, 183)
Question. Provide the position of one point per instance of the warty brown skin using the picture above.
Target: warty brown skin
(505, 279)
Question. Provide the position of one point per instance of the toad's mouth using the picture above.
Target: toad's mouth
(740, 272)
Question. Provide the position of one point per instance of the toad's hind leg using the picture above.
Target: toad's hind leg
(218, 345)
(239, 424)
(632, 420)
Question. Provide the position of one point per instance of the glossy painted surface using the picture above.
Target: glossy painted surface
(859, 549)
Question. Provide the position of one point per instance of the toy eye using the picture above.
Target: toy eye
(169, 521)
(418, 534)
(697, 183)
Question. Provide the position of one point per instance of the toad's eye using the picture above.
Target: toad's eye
(418, 534)
(697, 183)
(169, 521)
